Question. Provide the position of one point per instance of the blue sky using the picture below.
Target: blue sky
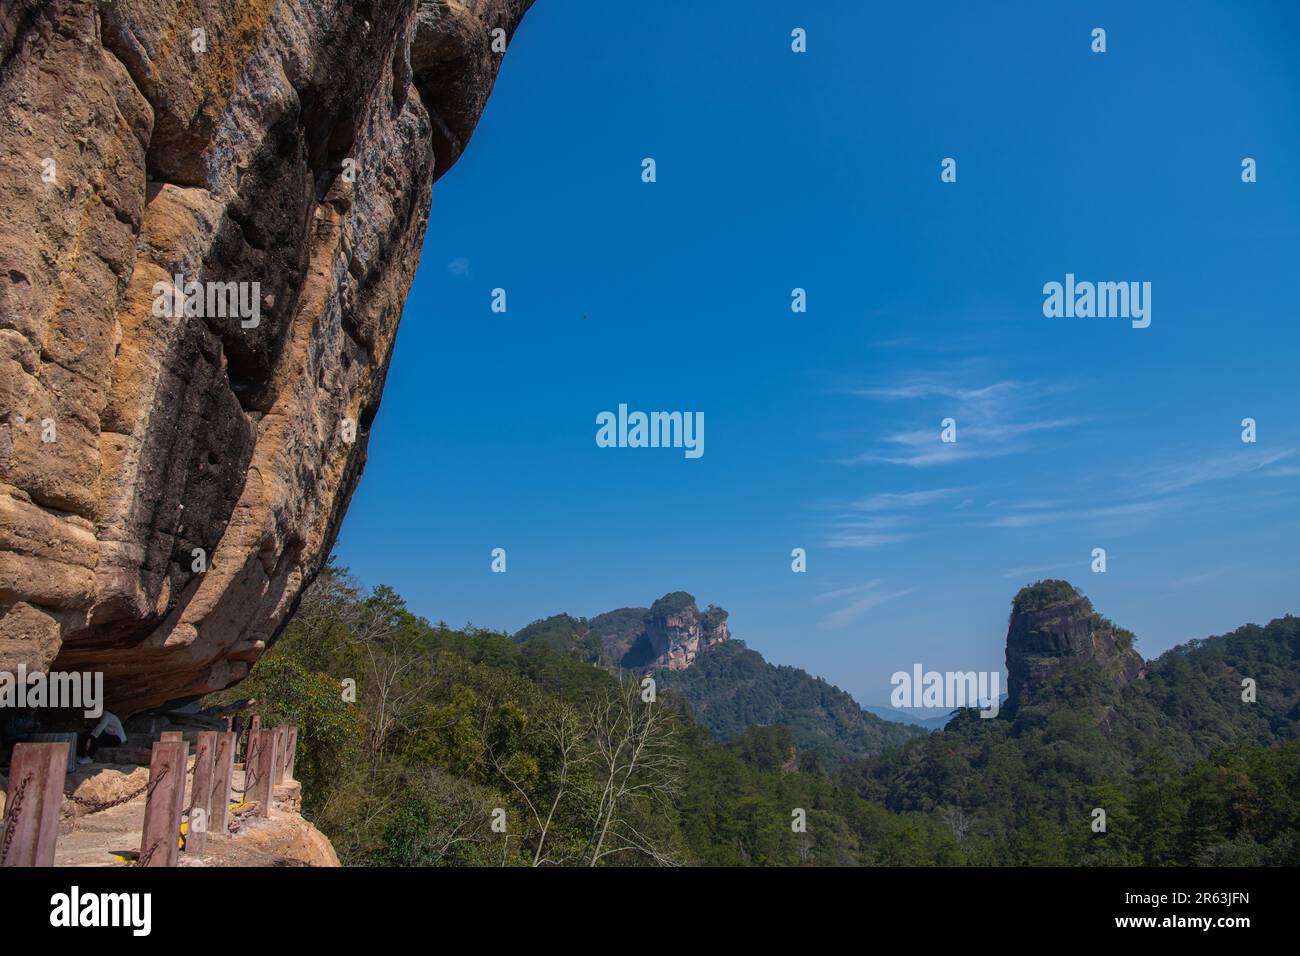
(821, 170)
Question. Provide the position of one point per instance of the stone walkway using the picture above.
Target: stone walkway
(92, 839)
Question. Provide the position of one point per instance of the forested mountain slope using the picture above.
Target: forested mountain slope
(728, 686)
(426, 745)
(1175, 750)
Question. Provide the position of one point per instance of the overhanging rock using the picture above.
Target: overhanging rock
(174, 466)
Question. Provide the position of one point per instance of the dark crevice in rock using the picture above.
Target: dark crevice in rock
(172, 155)
(16, 21)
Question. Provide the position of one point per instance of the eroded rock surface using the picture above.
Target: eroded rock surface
(670, 634)
(676, 631)
(1053, 627)
(286, 143)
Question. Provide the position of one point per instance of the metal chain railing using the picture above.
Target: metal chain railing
(99, 806)
(260, 775)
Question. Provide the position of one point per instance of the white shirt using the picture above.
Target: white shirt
(110, 723)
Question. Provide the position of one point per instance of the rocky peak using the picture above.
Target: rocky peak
(669, 634)
(1053, 627)
(676, 631)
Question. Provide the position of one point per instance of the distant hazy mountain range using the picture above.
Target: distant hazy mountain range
(927, 718)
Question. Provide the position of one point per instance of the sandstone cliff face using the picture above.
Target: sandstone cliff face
(673, 632)
(676, 638)
(1054, 627)
(287, 143)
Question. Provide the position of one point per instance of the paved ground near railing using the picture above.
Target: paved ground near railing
(93, 839)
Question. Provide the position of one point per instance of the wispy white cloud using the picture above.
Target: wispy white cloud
(998, 416)
(927, 388)
(458, 266)
(885, 518)
(840, 593)
(871, 532)
(1043, 569)
(863, 597)
(890, 500)
(1128, 509)
(948, 344)
(1169, 478)
(1192, 580)
(865, 540)
(990, 421)
(1151, 491)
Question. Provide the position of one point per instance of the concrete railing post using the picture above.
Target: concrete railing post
(222, 774)
(260, 790)
(34, 798)
(254, 729)
(291, 752)
(281, 742)
(160, 843)
(251, 747)
(205, 762)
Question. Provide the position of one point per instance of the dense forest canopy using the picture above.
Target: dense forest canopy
(424, 745)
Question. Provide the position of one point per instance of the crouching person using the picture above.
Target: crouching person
(107, 733)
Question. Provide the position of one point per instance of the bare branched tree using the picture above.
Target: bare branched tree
(956, 820)
(398, 673)
(563, 732)
(635, 763)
